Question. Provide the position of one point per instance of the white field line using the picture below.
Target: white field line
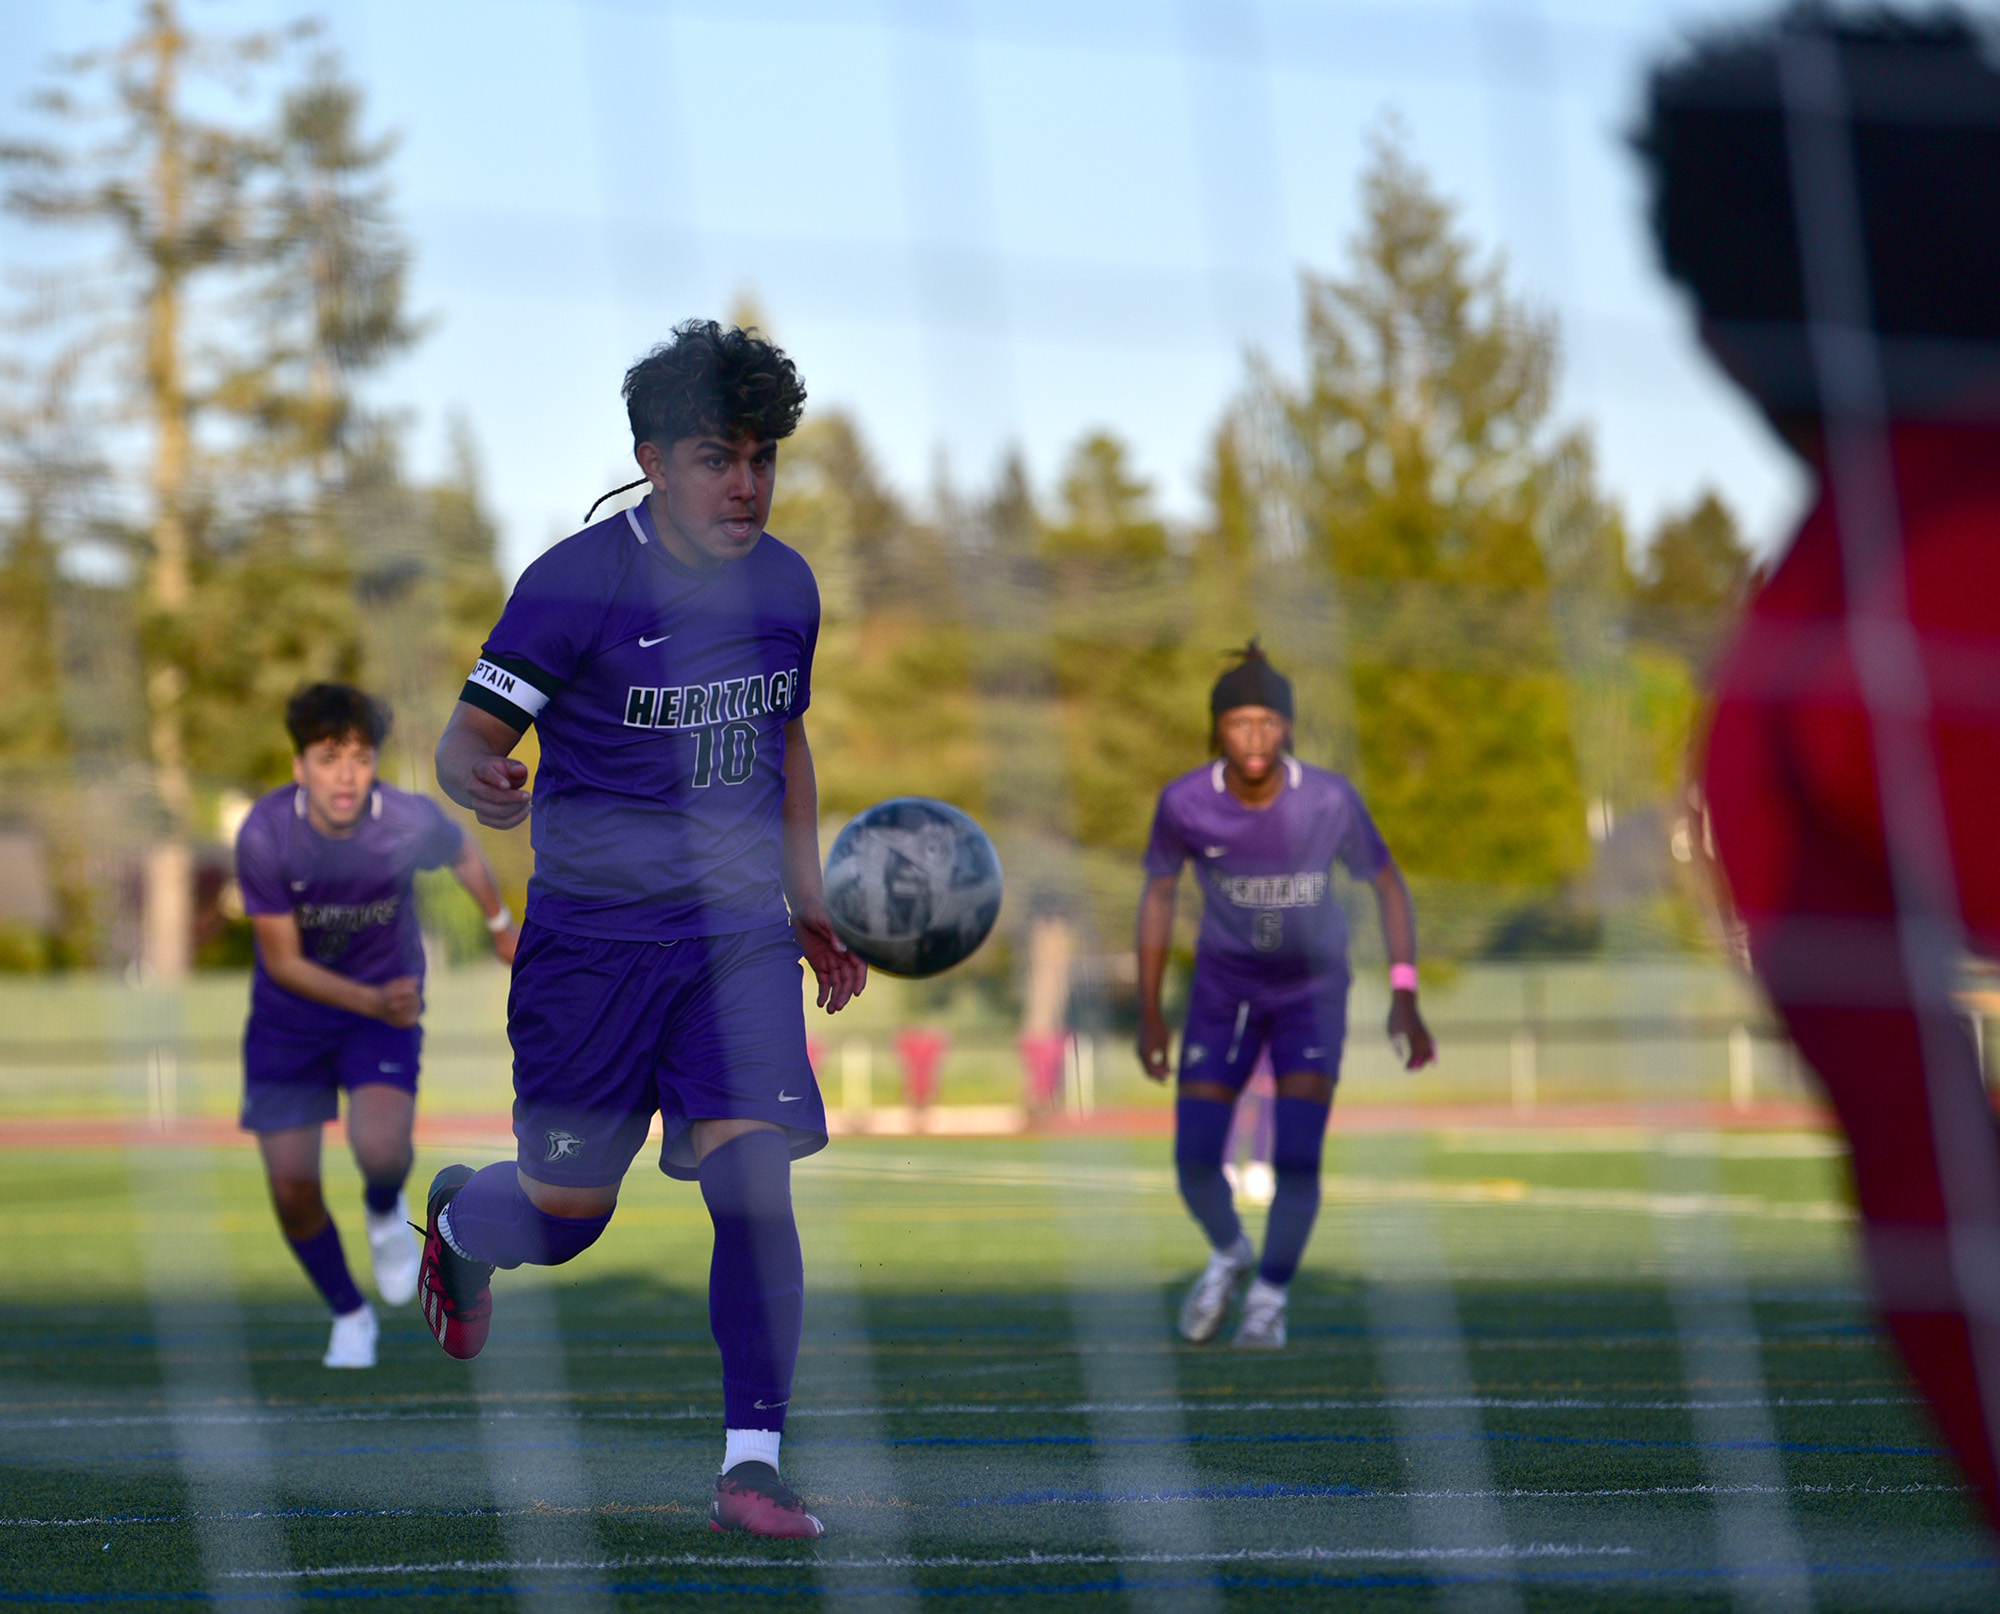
(1348, 1189)
(961, 1409)
(100, 1521)
(698, 1560)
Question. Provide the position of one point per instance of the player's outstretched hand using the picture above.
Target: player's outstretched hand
(494, 784)
(840, 974)
(1154, 1042)
(1409, 1033)
(403, 1000)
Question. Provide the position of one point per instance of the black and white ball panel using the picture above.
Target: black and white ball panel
(913, 885)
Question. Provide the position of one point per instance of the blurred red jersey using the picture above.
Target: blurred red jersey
(1796, 805)
(1790, 773)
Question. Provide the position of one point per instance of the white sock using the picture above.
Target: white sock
(749, 1446)
(1260, 1292)
(1237, 1255)
(444, 1231)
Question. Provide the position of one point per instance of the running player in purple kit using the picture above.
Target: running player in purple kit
(664, 656)
(326, 866)
(1263, 831)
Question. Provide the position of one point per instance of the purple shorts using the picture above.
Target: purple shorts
(606, 1032)
(1303, 1025)
(293, 1078)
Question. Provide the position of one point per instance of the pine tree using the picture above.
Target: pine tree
(893, 709)
(175, 190)
(1412, 466)
(258, 276)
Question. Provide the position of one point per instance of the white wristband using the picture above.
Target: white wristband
(501, 920)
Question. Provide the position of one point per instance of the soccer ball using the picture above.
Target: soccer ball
(913, 885)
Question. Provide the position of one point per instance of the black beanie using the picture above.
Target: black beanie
(1252, 682)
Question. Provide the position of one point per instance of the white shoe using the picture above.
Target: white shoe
(1208, 1299)
(352, 1343)
(1263, 1324)
(393, 1247)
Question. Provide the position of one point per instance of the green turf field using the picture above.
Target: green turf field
(1528, 1370)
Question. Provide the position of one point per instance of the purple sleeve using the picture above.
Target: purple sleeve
(541, 641)
(802, 686)
(1363, 852)
(441, 841)
(259, 875)
(1165, 850)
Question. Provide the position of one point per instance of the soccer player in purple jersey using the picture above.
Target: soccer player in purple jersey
(664, 656)
(326, 866)
(1263, 831)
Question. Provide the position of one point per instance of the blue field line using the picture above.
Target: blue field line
(1193, 1493)
(459, 1448)
(1292, 1439)
(1048, 1588)
(300, 1334)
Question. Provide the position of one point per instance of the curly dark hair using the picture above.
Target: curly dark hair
(1922, 119)
(334, 712)
(711, 380)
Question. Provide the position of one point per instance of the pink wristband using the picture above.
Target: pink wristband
(1402, 977)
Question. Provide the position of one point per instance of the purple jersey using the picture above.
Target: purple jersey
(660, 695)
(353, 896)
(1269, 916)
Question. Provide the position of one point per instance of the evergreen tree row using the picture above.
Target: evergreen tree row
(1397, 518)
(205, 513)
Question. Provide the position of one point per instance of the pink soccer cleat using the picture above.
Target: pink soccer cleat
(751, 1498)
(455, 1291)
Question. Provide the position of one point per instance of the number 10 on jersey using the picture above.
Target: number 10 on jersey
(725, 754)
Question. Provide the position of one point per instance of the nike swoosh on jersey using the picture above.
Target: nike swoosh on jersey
(789, 1098)
(1213, 851)
(647, 644)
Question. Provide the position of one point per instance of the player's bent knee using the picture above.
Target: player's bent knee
(711, 1135)
(300, 1206)
(570, 1200)
(564, 1238)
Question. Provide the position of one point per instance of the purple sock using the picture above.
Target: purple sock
(491, 1220)
(327, 1267)
(757, 1279)
(381, 1196)
(1301, 1128)
(1201, 1127)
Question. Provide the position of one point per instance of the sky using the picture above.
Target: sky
(979, 226)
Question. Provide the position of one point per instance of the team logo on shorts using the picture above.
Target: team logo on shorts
(563, 1144)
(1196, 1053)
